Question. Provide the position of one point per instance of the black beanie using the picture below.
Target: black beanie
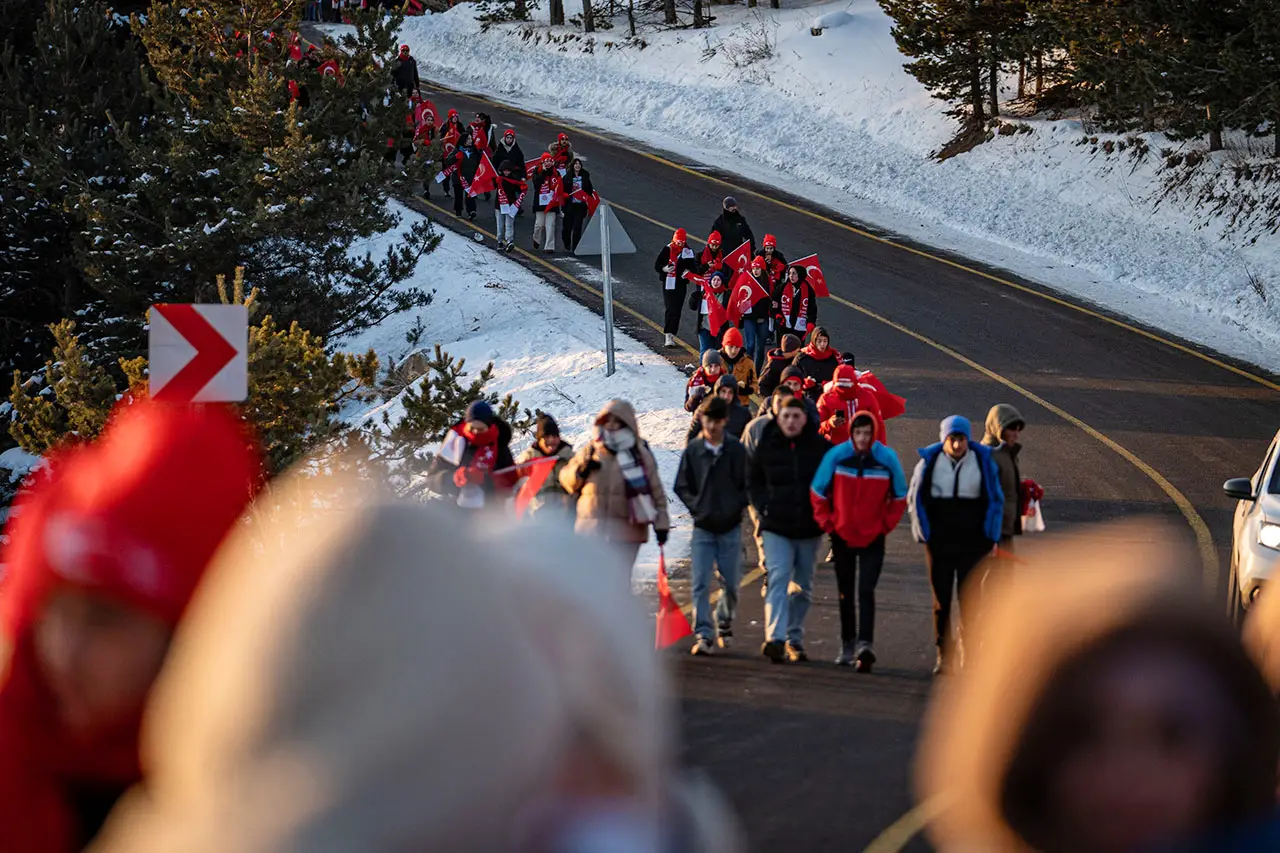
(547, 426)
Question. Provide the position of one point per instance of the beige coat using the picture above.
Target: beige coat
(602, 495)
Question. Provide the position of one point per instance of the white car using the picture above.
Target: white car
(1255, 546)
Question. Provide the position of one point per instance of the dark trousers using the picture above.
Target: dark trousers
(857, 573)
(575, 216)
(673, 304)
(949, 568)
(461, 196)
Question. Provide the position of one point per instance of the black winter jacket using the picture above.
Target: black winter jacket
(502, 154)
(739, 417)
(775, 362)
(714, 485)
(683, 265)
(586, 186)
(405, 73)
(779, 475)
(733, 230)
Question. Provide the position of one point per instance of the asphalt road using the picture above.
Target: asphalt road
(1120, 423)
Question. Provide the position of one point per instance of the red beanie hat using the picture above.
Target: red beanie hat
(681, 236)
(771, 241)
(136, 515)
(846, 376)
(757, 264)
(733, 337)
(714, 237)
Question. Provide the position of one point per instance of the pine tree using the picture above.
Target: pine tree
(945, 40)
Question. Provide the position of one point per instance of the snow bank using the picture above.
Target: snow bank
(547, 351)
(1039, 203)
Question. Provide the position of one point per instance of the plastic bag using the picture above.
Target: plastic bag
(1033, 521)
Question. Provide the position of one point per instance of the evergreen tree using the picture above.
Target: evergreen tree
(945, 40)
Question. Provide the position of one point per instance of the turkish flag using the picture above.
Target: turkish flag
(745, 292)
(429, 113)
(716, 315)
(591, 201)
(531, 165)
(891, 405)
(673, 626)
(329, 68)
(559, 196)
(537, 472)
(486, 179)
(739, 258)
(452, 136)
(816, 279)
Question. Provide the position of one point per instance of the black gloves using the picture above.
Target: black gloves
(661, 536)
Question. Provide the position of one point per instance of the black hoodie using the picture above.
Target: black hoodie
(733, 230)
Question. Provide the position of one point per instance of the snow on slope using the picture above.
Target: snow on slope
(547, 351)
(836, 119)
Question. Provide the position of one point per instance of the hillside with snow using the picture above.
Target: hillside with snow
(834, 118)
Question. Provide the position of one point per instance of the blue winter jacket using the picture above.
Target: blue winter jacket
(994, 521)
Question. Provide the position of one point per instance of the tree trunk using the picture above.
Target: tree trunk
(522, 11)
(993, 84)
(1039, 74)
(979, 117)
(631, 17)
(669, 13)
(588, 17)
(774, 4)
(557, 12)
(698, 20)
(1022, 78)
(1215, 128)
(751, 4)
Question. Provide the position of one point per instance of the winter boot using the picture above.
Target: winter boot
(796, 653)
(845, 658)
(670, 340)
(725, 640)
(774, 650)
(866, 657)
(702, 647)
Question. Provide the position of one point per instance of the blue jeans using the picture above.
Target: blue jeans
(506, 227)
(706, 340)
(715, 552)
(790, 564)
(755, 339)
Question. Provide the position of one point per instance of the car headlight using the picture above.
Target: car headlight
(1269, 535)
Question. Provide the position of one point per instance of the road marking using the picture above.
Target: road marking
(747, 580)
(888, 241)
(901, 831)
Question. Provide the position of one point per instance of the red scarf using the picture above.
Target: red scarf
(710, 261)
(828, 353)
(673, 253)
(486, 447)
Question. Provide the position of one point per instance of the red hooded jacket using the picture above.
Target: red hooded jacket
(135, 517)
(849, 396)
(859, 497)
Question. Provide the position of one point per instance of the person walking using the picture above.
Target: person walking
(779, 474)
(575, 210)
(778, 360)
(467, 159)
(511, 190)
(957, 512)
(712, 482)
(718, 284)
(616, 482)
(1003, 434)
(732, 226)
(756, 323)
(738, 363)
(818, 361)
(404, 72)
(859, 495)
(738, 415)
(704, 378)
(795, 303)
(712, 257)
(474, 464)
(673, 261)
(548, 198)
(548, 443)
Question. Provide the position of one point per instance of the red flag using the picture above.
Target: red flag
(429, 113)
(531, 165)
(486, 179)
(745, 292)
(329, 68)
(891, 405)
(538, 470)
(591, 201)
(452, 136)
(716, 315)
(559, 198)
(739, 258)
(817, 280)
(673, 626)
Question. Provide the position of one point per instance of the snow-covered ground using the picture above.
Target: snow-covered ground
(547, 351)
(836, 119)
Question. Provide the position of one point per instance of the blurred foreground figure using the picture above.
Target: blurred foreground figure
(1112, 709)
(384, 678)
(104, 552)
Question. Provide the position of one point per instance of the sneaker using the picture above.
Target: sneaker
(471, 216)
(774, 650)
(831, 556)
(866, 657)
(702, 647)
(796, 653)
(940, 667)
(845, 658)
(670, 340)
(511, 247)
(725, 639)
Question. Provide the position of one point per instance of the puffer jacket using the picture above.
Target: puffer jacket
(775, 362)
(603, 508)
(1006, 459)
(859, 497)
(743, 369)
(779, 473)
(552, 492)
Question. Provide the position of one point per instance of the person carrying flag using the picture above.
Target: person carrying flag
(576, 211)
(859, 495)
(548, 199)
(712, 257)
(547, 443)
(511, 190)
(846, 397)
(795, 304)
(467, 160)
(562, 152)
(756, 322)
(673, 261)
(774, 262)
(718, 285)
(474, 463)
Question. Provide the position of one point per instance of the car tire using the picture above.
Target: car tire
(1235, 605)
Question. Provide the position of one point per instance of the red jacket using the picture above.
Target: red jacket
(859, 497)
(859, 398)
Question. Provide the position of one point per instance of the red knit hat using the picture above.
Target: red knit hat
(846, 376)
(733, 337)
(770, 241)
(680, 237)
(714, 237)
(757, 264)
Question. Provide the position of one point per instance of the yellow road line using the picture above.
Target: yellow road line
(747, 579)
(900, 832)
(861, 232)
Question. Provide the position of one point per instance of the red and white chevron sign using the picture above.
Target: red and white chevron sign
(199, 353)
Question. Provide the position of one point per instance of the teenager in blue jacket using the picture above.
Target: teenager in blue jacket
(957, 511)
